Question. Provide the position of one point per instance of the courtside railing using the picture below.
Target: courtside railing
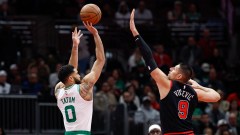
(27, 115)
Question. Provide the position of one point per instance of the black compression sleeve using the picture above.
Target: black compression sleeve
(146, 53)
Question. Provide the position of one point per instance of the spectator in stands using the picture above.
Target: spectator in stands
(234, 108)
(52, 61)
(53, 77)
(204, 71)
(117, 75)
(234, 126)
(191, 53)
(222, 126)
(2, 131)
(13, 72)
(203, 123)
(234, 96)
(141, 75)
(135, 59)
(128, 101)
(208, 131)
(32, 67)
(154, 129)
(224, 104)
(176, 15)
(151, 115)
(213, 81)
(226, 132)
(32, 85)
(207, 44)
(161, 57)
(15, 79)
(154, 103)
(132, 90)
(197, 113)
(104, 99)
(218, 61)
(122, 15)
(146, 89)
(193, 15)
(143, 16)
(43, 70)
(137, 87)
(5, 87)
(112, 84)
(215, 114)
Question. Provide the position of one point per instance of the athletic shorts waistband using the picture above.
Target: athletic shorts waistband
(80, 132)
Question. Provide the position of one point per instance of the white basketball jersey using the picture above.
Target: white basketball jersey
(77, 112)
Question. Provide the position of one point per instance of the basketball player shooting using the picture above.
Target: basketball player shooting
(178, 93)
(75, 96)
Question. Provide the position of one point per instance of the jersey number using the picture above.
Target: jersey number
(183, 109)
(70, 109)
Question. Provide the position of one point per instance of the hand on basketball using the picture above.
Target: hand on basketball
(90, 28)
(132, 24)
(76, 35)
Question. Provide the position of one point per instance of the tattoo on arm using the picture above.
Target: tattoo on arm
(87, 86)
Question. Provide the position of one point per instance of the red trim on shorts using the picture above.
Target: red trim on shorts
(181, 133)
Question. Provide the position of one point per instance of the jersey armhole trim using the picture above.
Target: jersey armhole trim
(171, 84)
(78, 88)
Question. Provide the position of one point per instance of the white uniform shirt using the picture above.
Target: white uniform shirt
(77, 112)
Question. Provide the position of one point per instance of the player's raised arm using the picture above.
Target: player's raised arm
(160, 78)
(205, 94)
(73, 60)
(76, 35)
(90, 79)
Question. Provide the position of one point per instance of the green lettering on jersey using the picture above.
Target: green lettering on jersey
(68, 100)
(73, 100)
(65, 100)
(70, 110)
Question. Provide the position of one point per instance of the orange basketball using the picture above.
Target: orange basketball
(90, 13)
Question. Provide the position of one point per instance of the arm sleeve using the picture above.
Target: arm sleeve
(146, 53)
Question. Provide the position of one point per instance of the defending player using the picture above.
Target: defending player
(178, 98)
(75, 96)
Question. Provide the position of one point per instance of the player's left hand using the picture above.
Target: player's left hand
(194, 84)
(76, 35)
(132, 24)
(90, 28)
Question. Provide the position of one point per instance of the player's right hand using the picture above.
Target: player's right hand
(90, 28)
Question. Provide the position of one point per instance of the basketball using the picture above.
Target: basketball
(90, 13)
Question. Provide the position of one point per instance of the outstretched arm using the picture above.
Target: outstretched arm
(76, 35)
(161, 79)
(73, 60)
(90, 79)
(205, 94)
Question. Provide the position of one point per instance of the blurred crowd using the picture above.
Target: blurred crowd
(36, 74)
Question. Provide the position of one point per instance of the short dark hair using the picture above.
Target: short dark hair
(64, 72)
(186, 71)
